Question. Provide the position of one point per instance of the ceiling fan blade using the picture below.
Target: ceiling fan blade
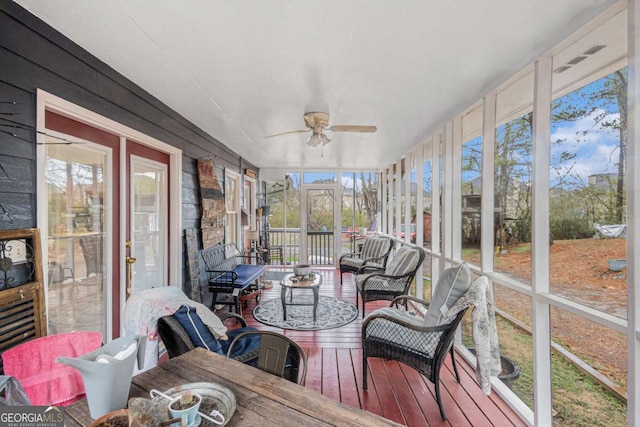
(286, 133)
(353, 128)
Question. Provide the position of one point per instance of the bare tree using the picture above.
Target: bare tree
(369, 195)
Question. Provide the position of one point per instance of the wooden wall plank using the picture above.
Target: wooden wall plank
(17, 175)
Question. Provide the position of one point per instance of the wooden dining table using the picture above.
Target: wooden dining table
(262, 399)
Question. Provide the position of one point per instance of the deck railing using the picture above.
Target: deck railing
(320, 245)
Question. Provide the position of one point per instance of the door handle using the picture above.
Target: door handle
(129, 260)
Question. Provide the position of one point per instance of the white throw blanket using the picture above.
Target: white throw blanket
(143, 309)
(485, 333)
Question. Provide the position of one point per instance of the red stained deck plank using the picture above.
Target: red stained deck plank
(314, 369)
(330, 380)
(347, 376)
(369, 400)
(425, 398)
(410, 407)
(379, 379)
(470, 383)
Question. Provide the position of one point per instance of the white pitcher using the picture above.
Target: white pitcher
(107, 372)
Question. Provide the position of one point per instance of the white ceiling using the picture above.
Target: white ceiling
(244, 69)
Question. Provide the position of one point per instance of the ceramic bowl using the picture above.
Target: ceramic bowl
(301, 269)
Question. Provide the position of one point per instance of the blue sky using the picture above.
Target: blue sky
(596, 152)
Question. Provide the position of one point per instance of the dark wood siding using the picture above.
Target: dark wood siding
(35, 56)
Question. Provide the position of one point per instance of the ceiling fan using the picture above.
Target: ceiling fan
(317, 123)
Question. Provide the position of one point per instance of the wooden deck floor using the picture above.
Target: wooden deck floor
(396, 391)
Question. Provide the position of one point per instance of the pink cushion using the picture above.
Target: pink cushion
(45, 381)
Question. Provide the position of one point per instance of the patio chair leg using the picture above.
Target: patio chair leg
(455, 365)
(364, 372)
(340, 277)
(442, 413)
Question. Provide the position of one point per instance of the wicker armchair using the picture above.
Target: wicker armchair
(394, 280)
(420, 342)
(375, 252)
(393, 334)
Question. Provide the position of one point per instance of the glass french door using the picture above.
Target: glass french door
(318, 240)
(79, 230)
(232, 204)
(147, 224)
(90, 269)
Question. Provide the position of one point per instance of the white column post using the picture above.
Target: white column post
(382, 197)
(435, 207)
(541, 322)
(398, 217)
(408, 161)
(419, 213)
(456, 189)
(391, 189)
(487, 203)
(633, 220)
(447, 196)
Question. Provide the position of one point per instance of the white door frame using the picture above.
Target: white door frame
(337, 217)
(48, 102)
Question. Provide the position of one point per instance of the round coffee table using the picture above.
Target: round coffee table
(291, 282)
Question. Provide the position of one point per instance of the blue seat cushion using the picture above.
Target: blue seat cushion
(246, 275)
(244, 344)
(198, 332)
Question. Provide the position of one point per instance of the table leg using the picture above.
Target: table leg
(283, 299)
(315, 303)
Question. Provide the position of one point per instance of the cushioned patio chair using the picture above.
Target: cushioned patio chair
(420, 342)
(278, 355)
(375, 252)
(394, 280)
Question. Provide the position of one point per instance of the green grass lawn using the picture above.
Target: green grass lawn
(577, 399)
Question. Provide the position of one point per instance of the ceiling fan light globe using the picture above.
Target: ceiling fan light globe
(314, 141)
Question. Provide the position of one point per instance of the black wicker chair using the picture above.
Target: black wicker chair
(394, 280)
(397, 335)
(421, 342)
(177, 341)
(374, 253)
(279, 355)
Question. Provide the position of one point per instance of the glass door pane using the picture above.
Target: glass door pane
(232, 206)
(75, 176)
(320, 228)
(148, 223)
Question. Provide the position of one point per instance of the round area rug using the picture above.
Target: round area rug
(332, 313)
